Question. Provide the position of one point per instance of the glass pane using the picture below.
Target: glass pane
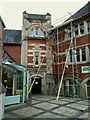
(70, 90)
(88, 26)
(76, 30)
(70, 53)
(37, 30)
(89, 52)
(36, 61)
(69, 31)
(82, 28)
(88, 83)
(83, 54)
(78, 55)
(88, 91)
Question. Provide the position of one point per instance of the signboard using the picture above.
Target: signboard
(86, 69)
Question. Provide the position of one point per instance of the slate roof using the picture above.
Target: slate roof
(2, 88)
(12, 36)
(82, 12)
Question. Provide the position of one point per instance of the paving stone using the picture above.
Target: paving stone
(27, 112)
(66, 111)
(83, 102)
(34, 101)
(77, 106)
(44, 99)
(45, 105)
(85, 115)
(59, 102)
(70, 99)
(50, 115)
(7, 115)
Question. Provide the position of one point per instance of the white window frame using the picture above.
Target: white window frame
(87, 56)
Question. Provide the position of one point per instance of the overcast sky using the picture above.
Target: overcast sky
(11, 12)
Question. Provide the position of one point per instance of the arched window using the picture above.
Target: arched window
(37, 31)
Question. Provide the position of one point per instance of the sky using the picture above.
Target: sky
(11, 10)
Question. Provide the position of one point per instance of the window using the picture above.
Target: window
(70, 87)
(37, 31)
(76, 30)
(89, 52)
(20, 82)
(88, 26)
(36, 58)
(83, 51)
(78, 55)
(69, 31)
(55, 58)
(70, 54)
(81, 28)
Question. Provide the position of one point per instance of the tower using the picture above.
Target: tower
(34, 48)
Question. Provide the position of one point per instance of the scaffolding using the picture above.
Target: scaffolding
(72, 47)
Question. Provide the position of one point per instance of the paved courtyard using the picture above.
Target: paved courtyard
(49, 107)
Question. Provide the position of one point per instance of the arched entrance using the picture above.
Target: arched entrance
(36, 88)
(86, 85)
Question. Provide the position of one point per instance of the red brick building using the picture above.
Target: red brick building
(12, 44)
(71, 48)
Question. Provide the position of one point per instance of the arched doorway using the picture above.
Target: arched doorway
(36, 88)
(86, 85)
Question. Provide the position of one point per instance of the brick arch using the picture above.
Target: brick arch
(85, 80)
(44, 29)
(70, 78)
(34, 75)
